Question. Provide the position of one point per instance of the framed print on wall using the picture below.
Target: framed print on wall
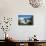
(25, 19)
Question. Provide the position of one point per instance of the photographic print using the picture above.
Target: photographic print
(25, 19)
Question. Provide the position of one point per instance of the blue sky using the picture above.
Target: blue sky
(25, 16)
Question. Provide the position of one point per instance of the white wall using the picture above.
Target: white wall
(24, 32)
(45, 28)
(11, 8)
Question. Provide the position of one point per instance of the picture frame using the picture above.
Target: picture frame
(25, 19)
